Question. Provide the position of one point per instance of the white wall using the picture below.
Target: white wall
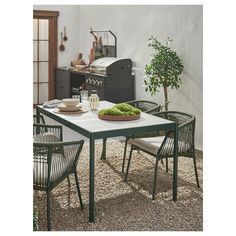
(69, 17)
(133, 25)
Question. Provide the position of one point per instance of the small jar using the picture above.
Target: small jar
(94, 100)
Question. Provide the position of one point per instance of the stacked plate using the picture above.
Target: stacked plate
(69, 105)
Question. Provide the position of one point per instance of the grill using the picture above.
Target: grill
(111, 66)
(112, 78)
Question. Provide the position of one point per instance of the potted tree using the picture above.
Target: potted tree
(164, 70)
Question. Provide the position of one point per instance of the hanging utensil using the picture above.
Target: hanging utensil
(108, 47)
(95, 37)
(62, 47)
(65, 37)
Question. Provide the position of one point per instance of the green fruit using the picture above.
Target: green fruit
(110, 112)
(136, 111)
(121, 109)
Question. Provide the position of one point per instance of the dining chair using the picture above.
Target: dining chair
(38, 119)
(147, 107)
(47, 133)
(144, 106)
(53, 162)
(163, 146)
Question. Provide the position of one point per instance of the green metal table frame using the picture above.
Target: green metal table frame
(113, 133)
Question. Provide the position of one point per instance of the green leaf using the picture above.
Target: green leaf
(165, 67)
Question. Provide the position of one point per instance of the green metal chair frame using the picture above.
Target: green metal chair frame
(53, 162)
(144, 105)
(147, 107)
(54, 130)
(47, 133)
(186, 147)
(42, 129)
(38, 119)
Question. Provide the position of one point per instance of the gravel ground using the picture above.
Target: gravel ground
(126, 206)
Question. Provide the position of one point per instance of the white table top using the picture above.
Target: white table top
(90, 121)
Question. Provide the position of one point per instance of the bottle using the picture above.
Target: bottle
(94, 100)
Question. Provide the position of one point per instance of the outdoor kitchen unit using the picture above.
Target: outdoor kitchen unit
(111, 77)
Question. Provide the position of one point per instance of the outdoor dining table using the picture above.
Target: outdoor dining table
(89, 125)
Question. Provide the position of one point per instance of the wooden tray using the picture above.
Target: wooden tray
(119, 118)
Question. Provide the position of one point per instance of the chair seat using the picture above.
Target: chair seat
(152, 144)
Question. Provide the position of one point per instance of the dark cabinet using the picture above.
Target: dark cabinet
(68, 83)
(62, 83)
(113, 88)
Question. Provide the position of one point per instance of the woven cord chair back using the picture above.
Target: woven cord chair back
(38, 119)
(53, 162)
(186, 131)
(145, 106)
(47, 133)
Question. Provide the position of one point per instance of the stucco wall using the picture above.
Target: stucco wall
(133, 25)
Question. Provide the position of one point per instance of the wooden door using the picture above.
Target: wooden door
(44, 55)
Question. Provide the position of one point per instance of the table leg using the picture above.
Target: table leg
(91, 178)
(37, 120)
(175, 166)
(103, 156)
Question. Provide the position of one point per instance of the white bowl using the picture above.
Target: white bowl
(70, 102)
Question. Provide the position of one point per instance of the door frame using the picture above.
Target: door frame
(52, 16)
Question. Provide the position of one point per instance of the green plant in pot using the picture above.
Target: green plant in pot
(164, 69)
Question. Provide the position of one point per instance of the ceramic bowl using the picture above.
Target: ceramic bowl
(70, 102)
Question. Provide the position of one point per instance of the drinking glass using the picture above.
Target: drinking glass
(84, 95)
(84, 98)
